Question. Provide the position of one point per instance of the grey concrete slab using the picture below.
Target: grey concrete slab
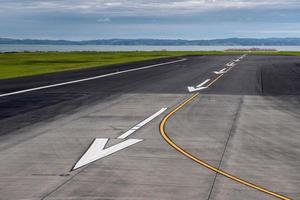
(150, 169)
(264, 148)
(233, 124)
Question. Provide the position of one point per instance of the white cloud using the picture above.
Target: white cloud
(143, 7)
(270, 31)
(106, 19)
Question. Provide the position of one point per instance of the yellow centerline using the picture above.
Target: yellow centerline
(201, 162)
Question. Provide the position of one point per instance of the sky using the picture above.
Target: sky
(157, 19)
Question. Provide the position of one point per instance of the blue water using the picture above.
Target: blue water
(68, 48)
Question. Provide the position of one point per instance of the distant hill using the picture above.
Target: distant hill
(162, 42)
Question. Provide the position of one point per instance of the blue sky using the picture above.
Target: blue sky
(163, 19)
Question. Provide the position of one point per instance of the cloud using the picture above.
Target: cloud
(270, 31)
(187, 19)
(103, 20)
(143, 7)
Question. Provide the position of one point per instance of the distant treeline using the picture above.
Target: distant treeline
(163, 42)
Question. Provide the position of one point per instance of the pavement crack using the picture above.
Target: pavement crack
(60, 185)
(231, 130)
(262, 82)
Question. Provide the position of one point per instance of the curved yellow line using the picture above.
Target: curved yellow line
(195, 159)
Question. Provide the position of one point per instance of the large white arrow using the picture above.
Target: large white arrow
(97, 151)
(222, 71)
(198, 87)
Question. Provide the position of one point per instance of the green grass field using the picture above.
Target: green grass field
(14, 65)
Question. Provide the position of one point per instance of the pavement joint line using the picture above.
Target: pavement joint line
(90, 78)
(60, 186)
(231, 130)
(165, 136)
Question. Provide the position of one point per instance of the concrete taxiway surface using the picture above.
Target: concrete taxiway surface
(100, 139)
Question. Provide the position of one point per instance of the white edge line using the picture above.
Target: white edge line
(141, 124)
(90, 78)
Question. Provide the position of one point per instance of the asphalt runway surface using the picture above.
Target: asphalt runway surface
(135, 134)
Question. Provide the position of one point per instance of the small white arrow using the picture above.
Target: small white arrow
(97, 151)
(193, 89)
(230, 64)
(222, 71)
(198, 87)
(243, 56)
(237, 60)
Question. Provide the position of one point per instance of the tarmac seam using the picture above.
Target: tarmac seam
(61, 185)
(232, 129)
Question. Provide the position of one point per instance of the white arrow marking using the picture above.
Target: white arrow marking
(141, 124)
(231, 64)
(237, 60)
(193, 89)
(222, 71)
(97, 151)
(198, 87)
(243, 56)
(203, 83)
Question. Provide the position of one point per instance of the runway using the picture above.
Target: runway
(102, 138)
